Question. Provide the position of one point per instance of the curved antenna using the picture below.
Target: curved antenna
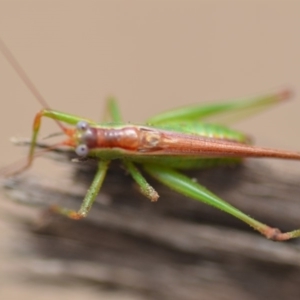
(14, 168)
(25, 78)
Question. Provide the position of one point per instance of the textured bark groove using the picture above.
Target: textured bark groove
(176, 248)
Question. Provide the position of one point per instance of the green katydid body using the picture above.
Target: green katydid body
(163, 149)
(176, 140)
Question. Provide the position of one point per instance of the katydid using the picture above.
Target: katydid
(168, 143)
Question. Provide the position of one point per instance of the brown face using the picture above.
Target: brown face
(86, 137)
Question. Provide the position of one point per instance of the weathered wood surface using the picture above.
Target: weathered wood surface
(174, 249)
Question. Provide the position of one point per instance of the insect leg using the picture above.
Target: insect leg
(112, 111)
(145, 188)
(90, 195)
(187, 187)
(221, 113)
(52, 114)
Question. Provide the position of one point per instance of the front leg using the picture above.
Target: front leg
(90, 196)
(56, 116)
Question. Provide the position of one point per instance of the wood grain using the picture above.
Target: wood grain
(176, 248)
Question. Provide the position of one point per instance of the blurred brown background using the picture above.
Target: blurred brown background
(153, 56)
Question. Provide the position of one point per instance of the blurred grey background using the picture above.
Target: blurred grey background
(151, 55)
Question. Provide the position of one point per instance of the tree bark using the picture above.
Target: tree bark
(176, 248)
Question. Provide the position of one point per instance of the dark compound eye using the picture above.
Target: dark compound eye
(82, 125)
(82, 150)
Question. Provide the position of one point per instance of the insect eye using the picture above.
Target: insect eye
(82, 150)
(82, 125)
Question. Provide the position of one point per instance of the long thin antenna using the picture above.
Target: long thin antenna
(25, 78)
(14, 168)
